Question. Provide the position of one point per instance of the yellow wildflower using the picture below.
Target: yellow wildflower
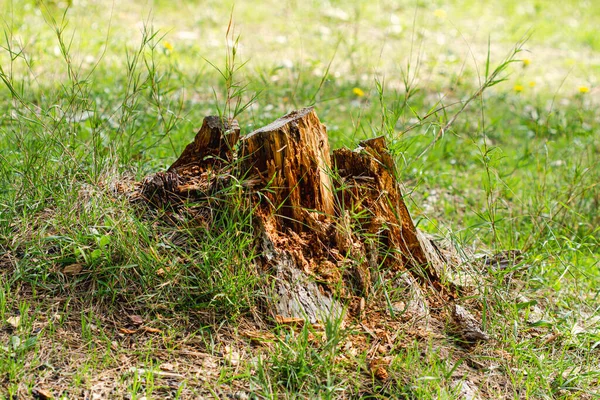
(532, 84)
(439, 13)
(518, 88)
(584, 89)
(358, 92)
(168, 46)
(526, 62)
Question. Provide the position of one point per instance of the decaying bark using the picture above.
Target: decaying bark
(290, 165)
(212, 147)
(199, 169)
(291, 158)
(370, 189)
(326, 223)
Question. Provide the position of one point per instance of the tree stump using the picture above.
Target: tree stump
(327, 224)
(290, 164)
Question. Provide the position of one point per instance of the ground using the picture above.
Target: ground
(100, 299)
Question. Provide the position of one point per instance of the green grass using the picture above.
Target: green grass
(99, 94)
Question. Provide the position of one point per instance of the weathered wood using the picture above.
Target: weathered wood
(296, 294)
(213, 144)
(290, 158)
(370, 189)
(160, 189)
(290, 166)
(197, 167)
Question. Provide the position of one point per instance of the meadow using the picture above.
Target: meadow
(489, 109)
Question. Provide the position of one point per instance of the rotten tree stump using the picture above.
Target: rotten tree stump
(291, 157)
(327, 224)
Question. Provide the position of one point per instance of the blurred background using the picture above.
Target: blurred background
(399, 68)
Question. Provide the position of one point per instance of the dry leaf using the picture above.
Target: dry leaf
(42, 394)
(381, 374)
(551, 338)
(151, 330)
(14, 321)
(163, 374)
(72, 269)
(210, 364)
(467, 390)
(231, 356)
(127, 331)
(166, 367)
(289, 320)
(257, 335)
(378, 367)
(136, 319)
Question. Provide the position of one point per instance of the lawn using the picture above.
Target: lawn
(102, 299)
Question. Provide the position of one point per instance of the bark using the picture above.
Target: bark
(213, 146)
(370, 190)
(198, 170)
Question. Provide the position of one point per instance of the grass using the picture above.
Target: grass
(96, 95)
